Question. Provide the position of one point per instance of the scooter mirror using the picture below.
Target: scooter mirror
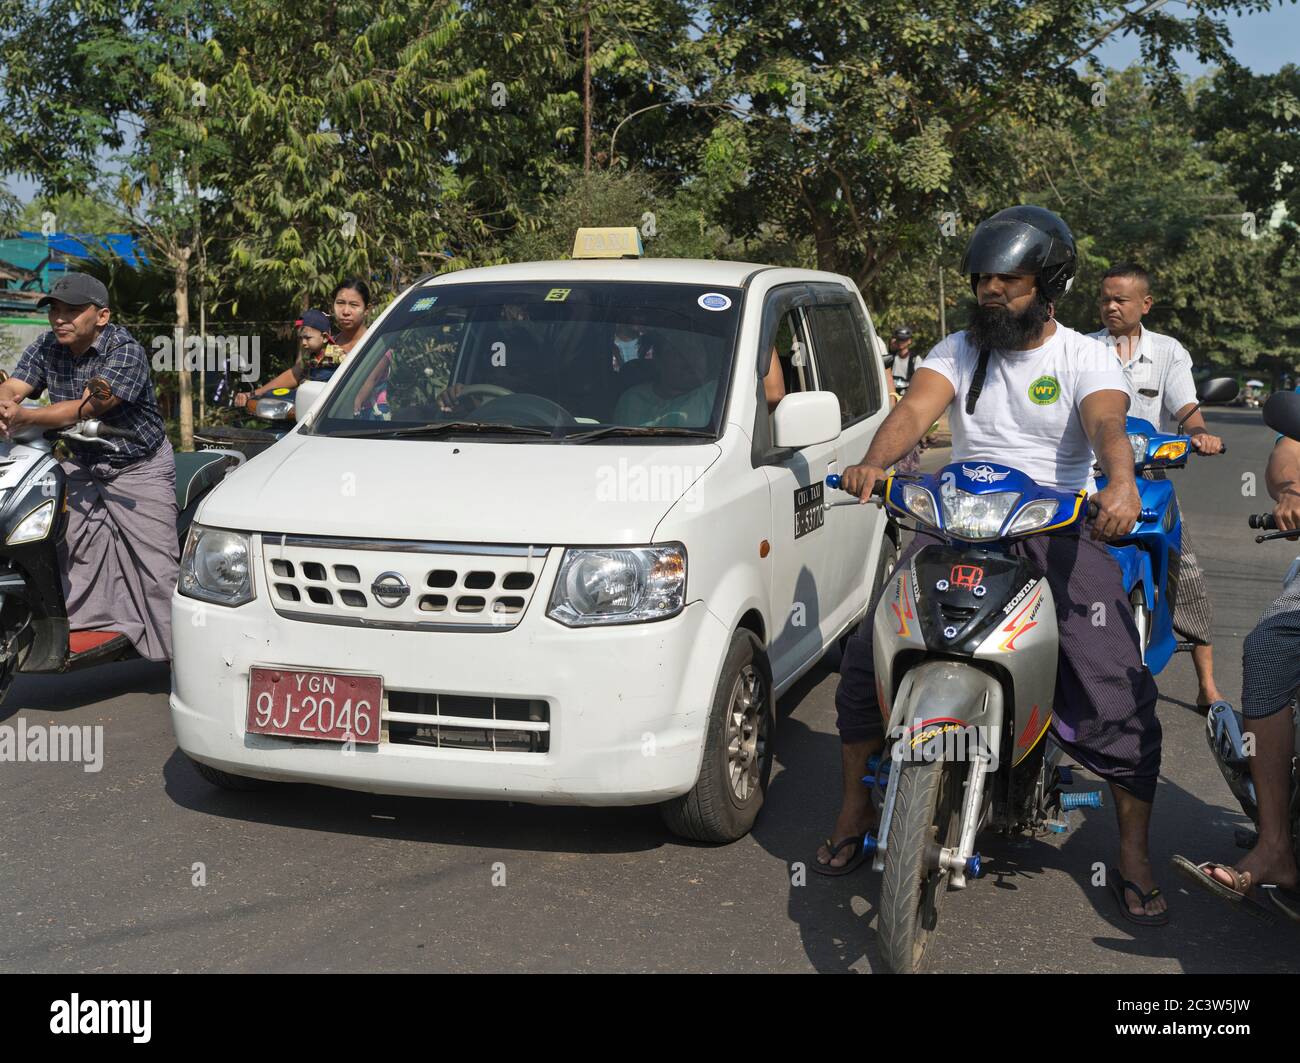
(99, 389)
(1282, 413)
(3, 376)
(1217, 390)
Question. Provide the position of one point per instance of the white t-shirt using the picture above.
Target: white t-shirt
(1027, 415)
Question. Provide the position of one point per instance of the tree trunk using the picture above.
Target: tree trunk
(586, 91)
(182, 293)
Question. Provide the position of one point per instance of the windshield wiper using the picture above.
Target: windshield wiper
(632, 430)
(439, 428)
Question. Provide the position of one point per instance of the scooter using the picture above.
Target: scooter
(34, 629)
(1149, 555)
(966, 647)
(1225, 727)
(277, 409)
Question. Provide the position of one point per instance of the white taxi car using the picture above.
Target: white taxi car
(542, 539)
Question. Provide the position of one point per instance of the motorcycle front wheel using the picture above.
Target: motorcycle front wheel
(927, 817)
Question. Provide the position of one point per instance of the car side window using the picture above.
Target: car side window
(841, 361)
(792, 349)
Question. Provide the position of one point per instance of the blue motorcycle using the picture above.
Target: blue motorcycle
(1149, 555)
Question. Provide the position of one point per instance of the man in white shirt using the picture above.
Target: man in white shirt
(1158, 371)
(1023, 390)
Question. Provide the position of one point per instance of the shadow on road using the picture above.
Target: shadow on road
(498, 825)
(75, 690)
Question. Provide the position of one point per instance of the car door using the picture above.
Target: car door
(848, 367)
(802, 560)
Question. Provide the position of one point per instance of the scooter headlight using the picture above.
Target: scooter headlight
(33, 527)
(969, 516)
(921, 503)
(1034, 516)
(619, 585)
(216, 566)
(1139, 444)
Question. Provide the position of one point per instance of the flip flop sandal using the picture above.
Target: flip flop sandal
(1119, 886)
(1285, 899)
(1200, 874)
(854, 863)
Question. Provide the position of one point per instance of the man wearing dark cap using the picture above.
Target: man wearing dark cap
(119, 556)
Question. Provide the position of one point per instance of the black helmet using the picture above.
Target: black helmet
(902, 333)
(1024, 242)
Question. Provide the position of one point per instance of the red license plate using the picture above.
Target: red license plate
(326, 706)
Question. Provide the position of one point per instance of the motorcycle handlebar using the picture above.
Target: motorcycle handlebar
(1262, 521)
(107, 431)
(1146, 516)
(834, 480)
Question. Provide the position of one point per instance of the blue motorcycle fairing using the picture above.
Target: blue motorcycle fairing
(1147, 553)
(1136, 426)
(981, 477)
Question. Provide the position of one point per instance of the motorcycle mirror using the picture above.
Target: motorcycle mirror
(1217, 390)
(3, 376)
(1282, 413)
(99, 389)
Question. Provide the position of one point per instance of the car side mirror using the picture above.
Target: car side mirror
(307, 395)
(805, 419)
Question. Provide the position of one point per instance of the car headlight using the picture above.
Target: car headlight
(1034, 516)
(921, 503)
(969, 516)
(619, 585)
(34, 526)
(1139, 445)
(217, 566)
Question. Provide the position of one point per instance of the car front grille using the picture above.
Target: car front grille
(388, 583)
(460, 721)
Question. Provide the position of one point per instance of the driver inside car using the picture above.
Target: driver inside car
(683, 389)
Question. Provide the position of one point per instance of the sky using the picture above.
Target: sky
(1262, 42)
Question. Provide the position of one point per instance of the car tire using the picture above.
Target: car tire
(225, 781)
(737, 761)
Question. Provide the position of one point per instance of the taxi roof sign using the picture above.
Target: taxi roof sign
(611, 242)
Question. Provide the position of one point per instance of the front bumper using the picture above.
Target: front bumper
(628, 705)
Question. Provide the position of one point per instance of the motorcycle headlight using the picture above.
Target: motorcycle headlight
(1034, 516)
(273, 409)
(921, 503)
(217, 566)
(619, 585)
(969, 516)
(1139, 445)
(34, 526)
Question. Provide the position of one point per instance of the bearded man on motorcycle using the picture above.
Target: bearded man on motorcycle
(1023, 390)
(119, 556)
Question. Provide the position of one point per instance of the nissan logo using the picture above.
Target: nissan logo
(390, 589)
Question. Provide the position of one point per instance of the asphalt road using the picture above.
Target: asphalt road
(99, 871)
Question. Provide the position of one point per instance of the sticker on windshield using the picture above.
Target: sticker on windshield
(557, 295)
(714, 301)
(423, 304)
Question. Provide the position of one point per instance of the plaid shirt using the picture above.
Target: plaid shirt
(1159, 377)
(118, 358)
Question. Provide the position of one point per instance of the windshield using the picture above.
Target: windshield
(543, 361)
